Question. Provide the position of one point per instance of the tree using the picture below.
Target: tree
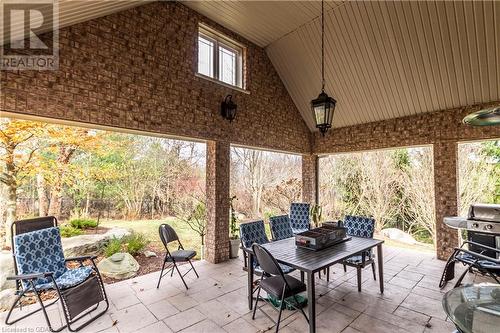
(281, 195)
(193, 212)
(378, 187)
(478, 174)
(264, 181)
(17, 156)
(340, 179)
(64, 143)
(251, 161)
(419, 191)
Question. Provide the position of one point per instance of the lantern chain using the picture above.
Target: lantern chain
(322, 46)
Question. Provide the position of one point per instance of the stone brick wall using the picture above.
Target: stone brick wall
(309, 178)
(424, 129)
(442, 129)
(217, 191)
(446, 195)
(136, 69)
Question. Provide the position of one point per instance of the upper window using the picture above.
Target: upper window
(219, 57)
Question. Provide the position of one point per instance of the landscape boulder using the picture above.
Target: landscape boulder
(90, 244)
(6, 269)
(150, 254)
(119, 266)
(399, 235)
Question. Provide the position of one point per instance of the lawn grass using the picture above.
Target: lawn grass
(189, 238)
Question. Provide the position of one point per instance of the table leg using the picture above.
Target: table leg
(380, 267)
(311, 302)
(250, 280)
(302, 276)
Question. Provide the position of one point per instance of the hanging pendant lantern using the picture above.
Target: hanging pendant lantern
(323, 107)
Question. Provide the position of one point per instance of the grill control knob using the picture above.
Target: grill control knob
(475, 225)
(489, 226)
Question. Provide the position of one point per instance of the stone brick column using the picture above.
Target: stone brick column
(446, 195)
(217, 192)
(309, 178)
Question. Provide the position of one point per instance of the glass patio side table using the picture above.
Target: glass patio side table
(474, 308)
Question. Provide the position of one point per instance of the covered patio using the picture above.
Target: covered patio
(404, 74)
(216, 302)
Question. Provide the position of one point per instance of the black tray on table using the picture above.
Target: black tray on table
(321, 238)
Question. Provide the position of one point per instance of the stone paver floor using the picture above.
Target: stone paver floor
(216, 302)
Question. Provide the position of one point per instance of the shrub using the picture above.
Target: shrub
(83, 223)
(69, 231)
(113, 246)
(133, 244)
(136, 242)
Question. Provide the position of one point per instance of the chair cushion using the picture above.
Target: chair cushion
(70, 278)
(280, 227)
(484, 264)
(253, 232)
(299, 230)
(299, 217)
(359, 226)
(40, 251)
(274, 286)
(358, 259)
(182, 255)
(284, 268)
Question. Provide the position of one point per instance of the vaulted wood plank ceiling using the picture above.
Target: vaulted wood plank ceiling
(75, 11)
(384, 59)
(261, 22)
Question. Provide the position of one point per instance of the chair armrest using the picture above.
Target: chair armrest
(478, 255)
(29, 276)
(81, 258)
(482, 246)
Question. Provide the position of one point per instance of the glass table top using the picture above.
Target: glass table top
(474, 308)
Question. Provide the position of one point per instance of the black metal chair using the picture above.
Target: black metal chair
(276, 283)
(168, 235)
(40, 267)
(361, 227)
(478, 258)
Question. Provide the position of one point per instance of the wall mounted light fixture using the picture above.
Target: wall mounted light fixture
(228, 108)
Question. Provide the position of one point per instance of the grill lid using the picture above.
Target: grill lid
(485, 212)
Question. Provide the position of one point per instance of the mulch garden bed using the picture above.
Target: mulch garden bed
(146, 265)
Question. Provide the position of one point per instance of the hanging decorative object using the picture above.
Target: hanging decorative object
(228, 108)
(485, 117)
(323, 107)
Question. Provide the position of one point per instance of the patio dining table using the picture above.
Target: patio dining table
(310, 262)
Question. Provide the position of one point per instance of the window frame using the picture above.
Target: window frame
(221, 41)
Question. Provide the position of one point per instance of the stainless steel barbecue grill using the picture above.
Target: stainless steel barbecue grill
(481, 218)
(481, 252)
(482, 224)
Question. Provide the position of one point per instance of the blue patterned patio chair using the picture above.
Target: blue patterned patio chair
(360, 226)
(40, 266)
(280, 227)
(255, 233)
(299, 217)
